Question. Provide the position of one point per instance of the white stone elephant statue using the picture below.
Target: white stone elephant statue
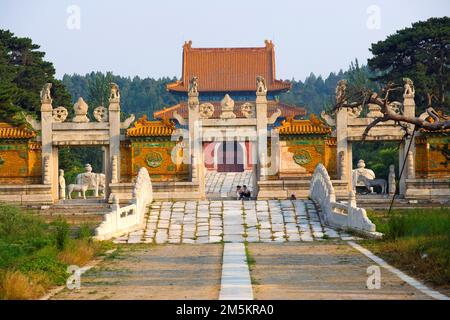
(94, 181)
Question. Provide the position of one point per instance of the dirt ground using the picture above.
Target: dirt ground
(143, 272)
(319, 270)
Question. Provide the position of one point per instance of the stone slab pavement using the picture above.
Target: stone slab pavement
(233, 221)
(320, 270)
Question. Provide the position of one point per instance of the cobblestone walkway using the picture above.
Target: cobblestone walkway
(233, 221)
(224, 184)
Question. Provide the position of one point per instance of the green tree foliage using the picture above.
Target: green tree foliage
(317, 94)
(23, 72)
(99, 89)
(378, 156)
(138, 95)
(422, 53)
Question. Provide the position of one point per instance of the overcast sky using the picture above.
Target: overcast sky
(145, 38)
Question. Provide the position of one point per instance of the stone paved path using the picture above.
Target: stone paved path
(320, 270)
(223, 184)
(195, 222)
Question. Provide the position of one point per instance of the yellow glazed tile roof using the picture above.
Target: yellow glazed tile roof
(311, 126)
(145, 128)
(8, 131)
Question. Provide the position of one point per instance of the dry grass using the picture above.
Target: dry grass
(14, 285)
(79, 253)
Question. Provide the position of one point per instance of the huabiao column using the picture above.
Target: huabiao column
(261, 128)
(113, 153)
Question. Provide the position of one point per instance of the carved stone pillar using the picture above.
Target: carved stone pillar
(46, 177)
(342, 166)
(411, 174)
(194, 133)
(343, 147)
(391, 177)
(46, 138)
(409, 107)
(261, 129)
(114, 135)
(114, 173)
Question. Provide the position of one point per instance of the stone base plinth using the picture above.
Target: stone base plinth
(430, 189)
(166, 191)
(31, 194)
(283, 189)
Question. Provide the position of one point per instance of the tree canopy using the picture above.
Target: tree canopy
(23, 72)
(138, 95)
(422, 53)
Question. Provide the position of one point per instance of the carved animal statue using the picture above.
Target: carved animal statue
(340, 91)
(82, 188)
(261, 84)
(115, 93)
(94, 181)
(370, 183)
(45, 92)
(193, 85)
(409, 86)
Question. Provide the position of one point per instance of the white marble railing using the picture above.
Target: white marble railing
(346, 216)
(131, 217)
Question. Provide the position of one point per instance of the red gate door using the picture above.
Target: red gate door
(230, 157)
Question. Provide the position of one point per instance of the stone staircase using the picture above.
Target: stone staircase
(75, 211)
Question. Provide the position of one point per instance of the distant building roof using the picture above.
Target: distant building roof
(311, 126)
(8, 131)
(228, 69)
(145, 128)
(287, 111)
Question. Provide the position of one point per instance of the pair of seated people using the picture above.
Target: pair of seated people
(243, 193)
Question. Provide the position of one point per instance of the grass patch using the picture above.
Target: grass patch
(251, 263)
(417, 241)
(34, 255)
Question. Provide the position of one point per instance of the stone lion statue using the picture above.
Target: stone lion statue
(115, 93)
(193, 85)
(261, 84)
(409, 86)
(45, 92)
(340, 91)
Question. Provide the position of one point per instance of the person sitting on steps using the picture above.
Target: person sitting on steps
(238, 192)
(245, 193)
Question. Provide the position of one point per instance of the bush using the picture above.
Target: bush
(84, 232)
(62, 233)
(46, 261)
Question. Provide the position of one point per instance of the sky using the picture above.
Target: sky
(145, 38)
